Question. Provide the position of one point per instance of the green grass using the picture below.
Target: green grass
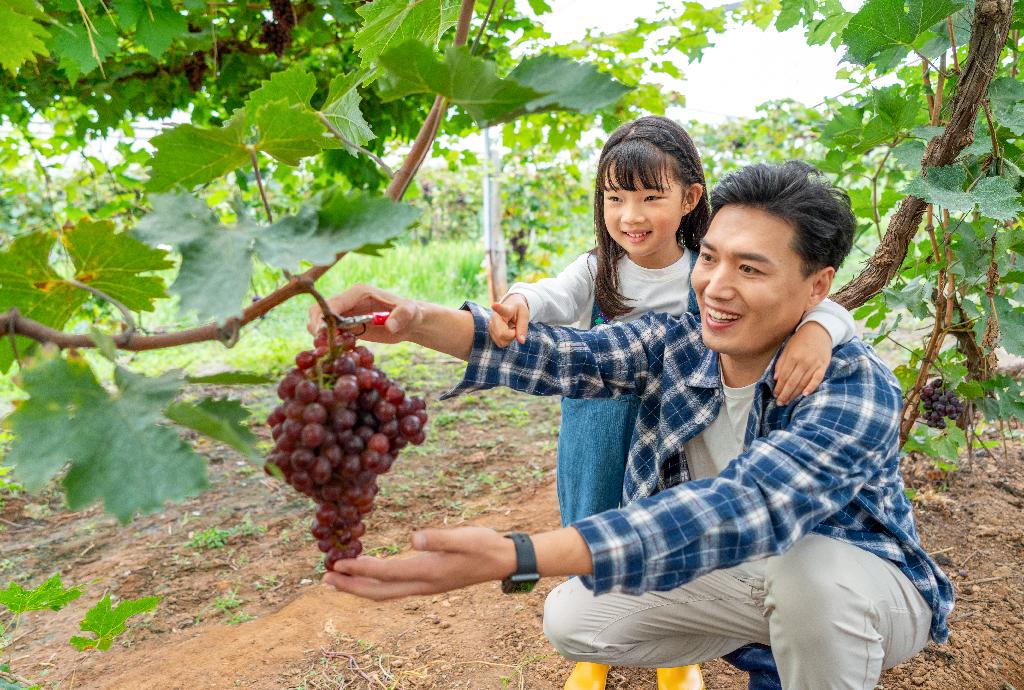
(442, 272)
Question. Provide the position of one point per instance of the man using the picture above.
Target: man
(746, 521)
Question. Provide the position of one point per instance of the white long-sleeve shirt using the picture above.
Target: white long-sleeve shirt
(568, 298)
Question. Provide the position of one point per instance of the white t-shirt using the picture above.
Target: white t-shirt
(568, 298)
(710, 451)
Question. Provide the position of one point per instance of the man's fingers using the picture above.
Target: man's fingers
(403, 317)
(371, 588)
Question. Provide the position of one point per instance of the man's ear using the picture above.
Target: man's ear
(821, 285)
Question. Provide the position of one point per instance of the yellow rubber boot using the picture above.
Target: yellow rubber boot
(680, 678)
(587, 676)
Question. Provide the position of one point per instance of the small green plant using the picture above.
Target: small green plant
(239, 617)
(217, 538)
(268, 582)
(106, 623)
(229, 600)
(212, 538)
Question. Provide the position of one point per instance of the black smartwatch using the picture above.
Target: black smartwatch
(526, 575)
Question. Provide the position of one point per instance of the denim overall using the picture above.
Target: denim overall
(593, 442)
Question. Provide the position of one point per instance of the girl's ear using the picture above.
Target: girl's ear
(691, 197)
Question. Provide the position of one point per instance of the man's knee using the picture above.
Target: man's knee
(562, 621)
(814, 588)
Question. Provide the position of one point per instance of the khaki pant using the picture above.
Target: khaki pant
(834, 615)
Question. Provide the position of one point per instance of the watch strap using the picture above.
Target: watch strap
(526, 557)
(525, 575)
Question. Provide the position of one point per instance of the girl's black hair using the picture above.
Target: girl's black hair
(649, 152)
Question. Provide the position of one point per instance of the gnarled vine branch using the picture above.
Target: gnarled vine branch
(989, 31)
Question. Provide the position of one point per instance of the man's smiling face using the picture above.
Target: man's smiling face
(751, 287)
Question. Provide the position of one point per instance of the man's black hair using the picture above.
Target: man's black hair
(800, 195)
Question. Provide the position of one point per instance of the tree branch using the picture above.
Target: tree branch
(991, 26)
(12, 321)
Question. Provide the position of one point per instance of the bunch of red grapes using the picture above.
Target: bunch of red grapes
(938, 404)
(341, 423)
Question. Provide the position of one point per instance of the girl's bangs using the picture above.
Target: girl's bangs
(635, 164)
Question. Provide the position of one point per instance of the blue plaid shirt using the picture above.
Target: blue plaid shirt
(827, 463)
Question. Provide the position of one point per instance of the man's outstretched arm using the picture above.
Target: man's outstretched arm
(452, 558)
(446, 330)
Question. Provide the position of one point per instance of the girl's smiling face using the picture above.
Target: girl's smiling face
(645, 221)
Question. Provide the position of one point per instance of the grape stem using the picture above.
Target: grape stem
(328, 313)
(259, 183)
(129, 320)
(352, 145)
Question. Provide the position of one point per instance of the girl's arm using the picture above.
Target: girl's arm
(563, 300)
(802, 364)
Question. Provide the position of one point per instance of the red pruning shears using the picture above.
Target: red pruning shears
(377, 318)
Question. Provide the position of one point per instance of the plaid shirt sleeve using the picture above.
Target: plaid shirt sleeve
(779, 489)
(599, 363)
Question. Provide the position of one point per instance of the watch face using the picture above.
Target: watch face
(519, 583)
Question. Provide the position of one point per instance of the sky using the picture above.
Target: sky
(745, 68)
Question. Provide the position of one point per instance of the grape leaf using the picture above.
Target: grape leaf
(105, 344)
(73, 45)
(792, 12)
(108, 623)
(895, 110)
(289, 133)
(944, 186)
(909, 154)
(1006, 94)
(156, 23)
(220, 419)
(334, 222)
(294, 85)
(568, 85)
(111, 262)
(1011, 326)
(997, 198)
(462, 78)
(216, 261)
(187, 155)
(118, 454)
(29, 284)
(891, 25)
(23, 35)
(342, 110)
(232, 378)
(50, 595)
(390, 22)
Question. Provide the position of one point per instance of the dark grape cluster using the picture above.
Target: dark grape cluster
(195, 69)
(938, 403)
(340, 425)
(276, 33)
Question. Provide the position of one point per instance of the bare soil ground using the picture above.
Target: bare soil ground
(250, 613)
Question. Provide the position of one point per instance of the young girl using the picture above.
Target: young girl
(650, 212)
